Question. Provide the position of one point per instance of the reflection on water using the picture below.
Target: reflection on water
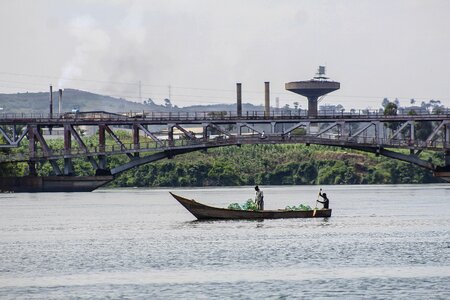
(381, 242)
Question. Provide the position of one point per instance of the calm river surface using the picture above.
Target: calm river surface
(382, 242)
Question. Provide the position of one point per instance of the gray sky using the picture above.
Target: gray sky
(201, 49)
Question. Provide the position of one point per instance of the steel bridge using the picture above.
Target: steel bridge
(156, 136)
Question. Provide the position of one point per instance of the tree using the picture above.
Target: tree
(340, 108)
(167, 103)
(385, 102)
(390, 109)
(149, 102)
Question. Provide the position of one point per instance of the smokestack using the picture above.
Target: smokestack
(267, 100)
(239, 99)
(51, 101)
(60, 101)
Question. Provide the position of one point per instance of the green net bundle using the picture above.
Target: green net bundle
(249, 205)
(234, 206)
(300, 207)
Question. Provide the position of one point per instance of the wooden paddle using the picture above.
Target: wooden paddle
(315, 209)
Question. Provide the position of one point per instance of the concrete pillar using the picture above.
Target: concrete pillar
(267, 99)
(102, 147)
(239, 99)
(32, 149)
(344, 130)
(205, 131)
(170, 134)
(379, 132)
(412, 130)
(312, 107)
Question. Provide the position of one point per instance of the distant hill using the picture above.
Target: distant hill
(86, 101)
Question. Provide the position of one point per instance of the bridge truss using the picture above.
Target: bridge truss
(156, 136)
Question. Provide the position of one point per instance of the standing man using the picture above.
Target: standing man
(259, 199)
(326, 201)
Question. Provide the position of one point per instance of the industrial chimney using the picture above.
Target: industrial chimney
(60, 102)
(51, 101)
(267, 99)
(239, 99)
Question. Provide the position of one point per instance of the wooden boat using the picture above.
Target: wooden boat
(205, 212)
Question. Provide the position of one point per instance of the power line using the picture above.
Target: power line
(274, 92)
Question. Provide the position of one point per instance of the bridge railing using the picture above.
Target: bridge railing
(209, 115)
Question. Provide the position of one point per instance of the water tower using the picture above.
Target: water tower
(313, 89)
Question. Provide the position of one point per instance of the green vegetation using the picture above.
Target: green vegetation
(275, 165)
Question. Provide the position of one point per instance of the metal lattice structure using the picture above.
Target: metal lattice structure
(163, 135)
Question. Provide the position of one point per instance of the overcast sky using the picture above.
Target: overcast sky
(201, 49)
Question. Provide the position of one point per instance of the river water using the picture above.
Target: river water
(382, 242)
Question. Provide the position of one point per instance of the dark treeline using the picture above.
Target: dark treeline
(257, 164)
(273, 165)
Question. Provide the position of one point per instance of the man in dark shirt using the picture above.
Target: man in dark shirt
(326, 201)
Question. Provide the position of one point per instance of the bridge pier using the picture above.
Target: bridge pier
(102, 147)
(205, 131)
(32, 149)
(170, 134)
(136, 139)
(68, 166)
(32, 168)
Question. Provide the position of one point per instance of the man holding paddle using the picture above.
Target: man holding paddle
(326, 201)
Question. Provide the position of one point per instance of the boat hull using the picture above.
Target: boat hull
(205, 212)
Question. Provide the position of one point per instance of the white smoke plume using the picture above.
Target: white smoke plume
(93, 43)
